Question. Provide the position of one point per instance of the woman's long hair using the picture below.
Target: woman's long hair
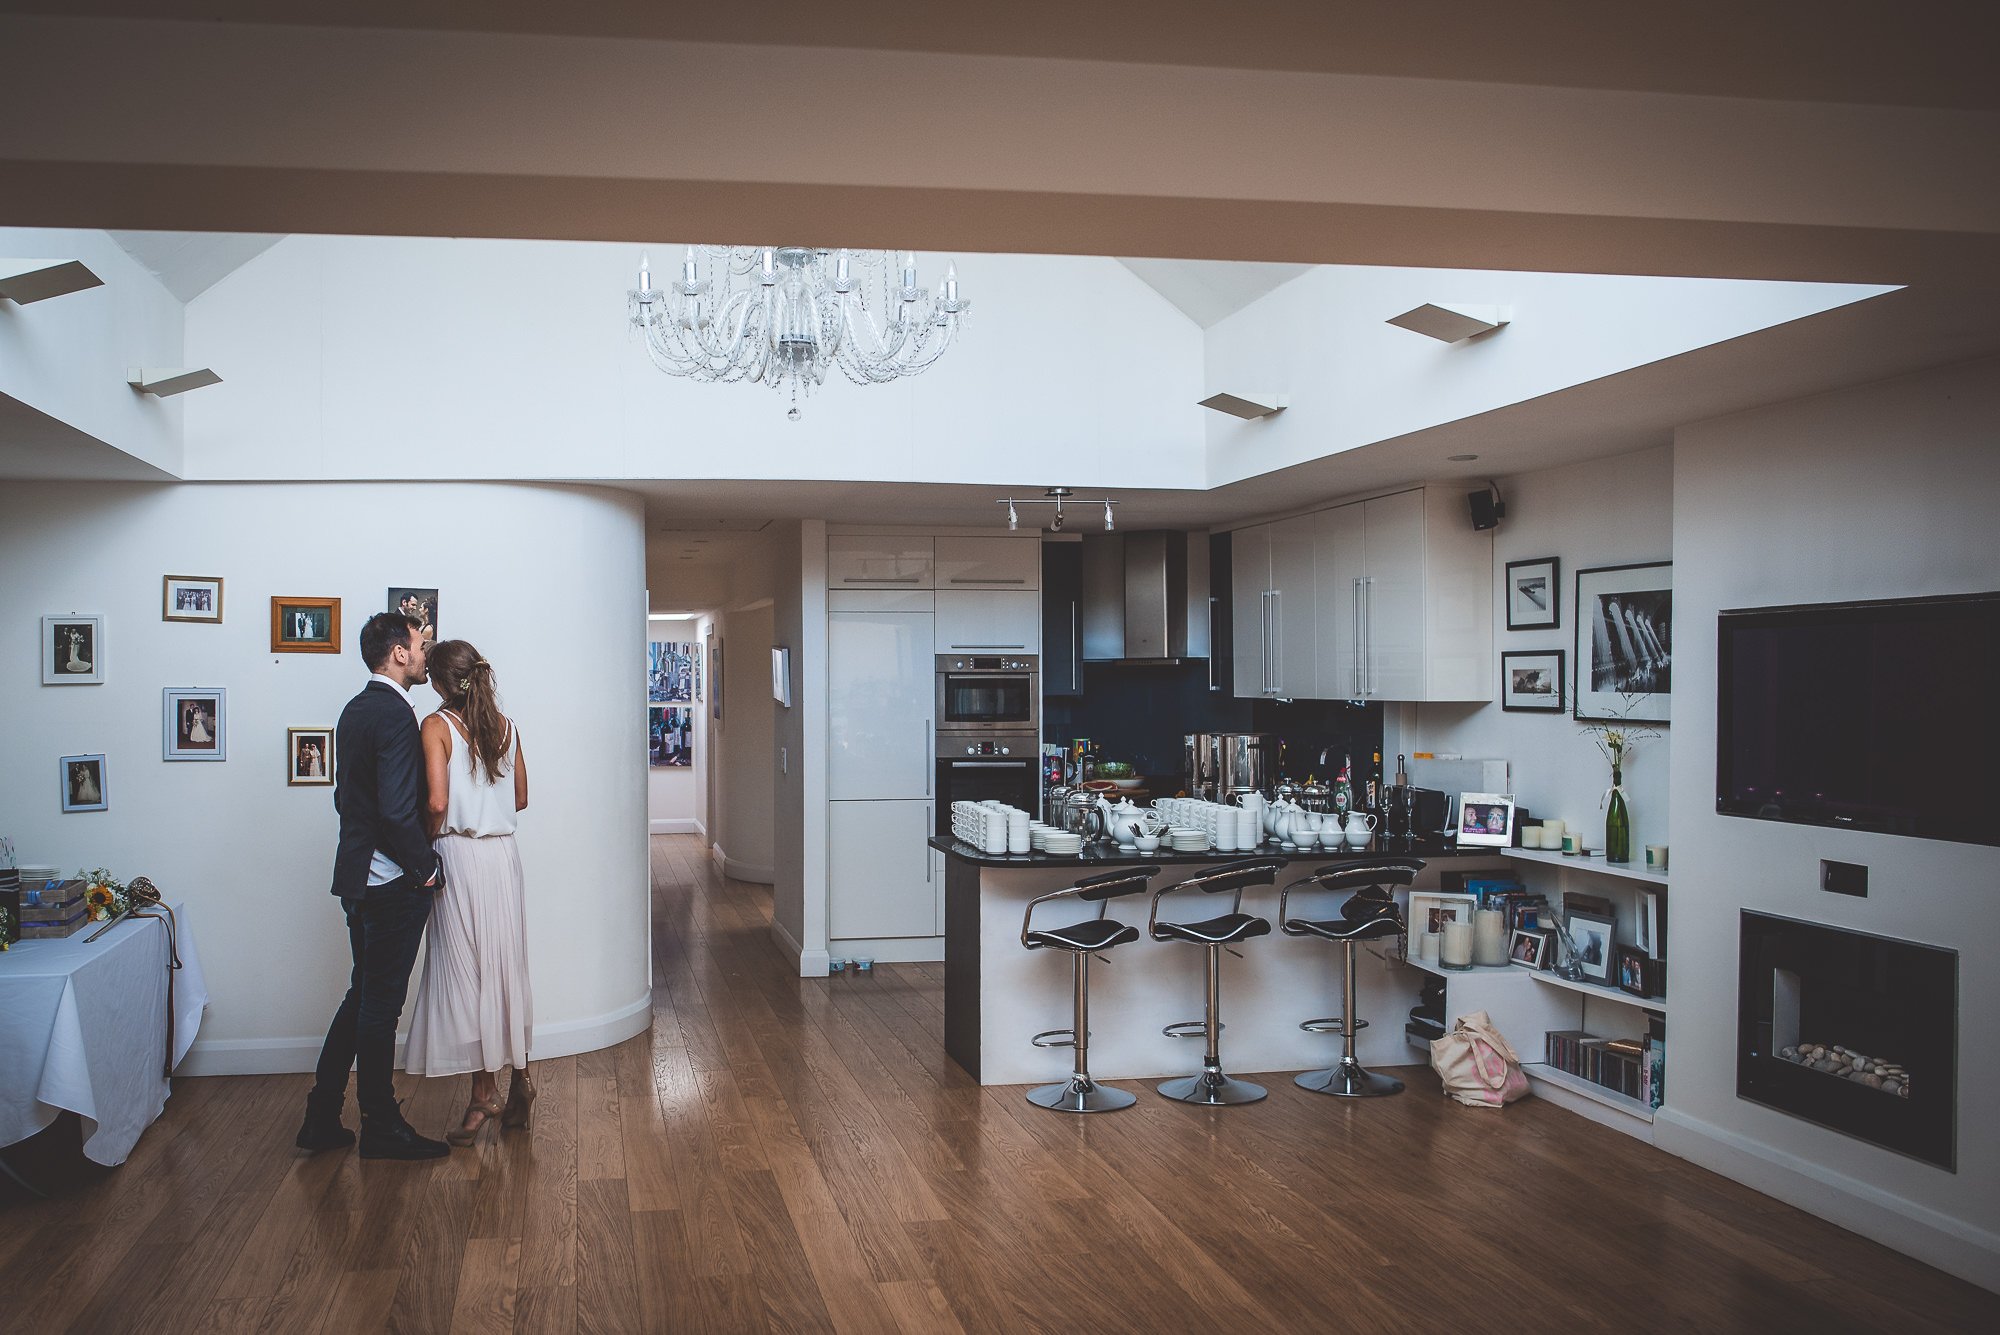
(465, 682)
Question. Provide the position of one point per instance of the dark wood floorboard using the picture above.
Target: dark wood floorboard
(798, 1155)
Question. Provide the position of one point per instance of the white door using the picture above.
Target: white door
(880, 691)
(989, 622)
(988, 563)
(881, 878)
(1250, 607)
(1339, 558)
(1293, 614)
(1392, 605)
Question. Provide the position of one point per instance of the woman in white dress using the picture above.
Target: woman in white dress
(473, 1010)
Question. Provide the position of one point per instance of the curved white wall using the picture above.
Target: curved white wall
(548, 581)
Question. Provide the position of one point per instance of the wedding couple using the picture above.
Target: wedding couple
(427, 819)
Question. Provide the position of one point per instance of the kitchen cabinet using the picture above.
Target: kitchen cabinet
(1062, 618)
(1274, 614)
(881, 878)
(989, 621)
(881, 693)
(987, 563)
(860, 562)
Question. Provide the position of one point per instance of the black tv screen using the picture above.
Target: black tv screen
(1881, 716)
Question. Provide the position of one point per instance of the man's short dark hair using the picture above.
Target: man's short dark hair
(381, 635)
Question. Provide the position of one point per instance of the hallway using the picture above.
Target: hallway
(798, 1155)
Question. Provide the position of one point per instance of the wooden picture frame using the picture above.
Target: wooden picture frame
(192, 598)
(318, 633)
(1547, 668)
(301, 771)
(1539, 578)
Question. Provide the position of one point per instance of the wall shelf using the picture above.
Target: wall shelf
(1541, 1072)
(1618, 995)
(1594, 863)
(1432, 966)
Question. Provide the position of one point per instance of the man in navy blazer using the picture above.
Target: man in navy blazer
(385, 874)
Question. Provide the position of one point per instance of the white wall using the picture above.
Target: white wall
(1882, 491)
(251, 857)
(1606, 512)
(672, 799)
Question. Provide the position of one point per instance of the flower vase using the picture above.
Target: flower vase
(1617, 823)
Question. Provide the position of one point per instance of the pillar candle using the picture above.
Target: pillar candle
(1489, 937)
(1427, 945)
(1455, 948)
(1552, 834)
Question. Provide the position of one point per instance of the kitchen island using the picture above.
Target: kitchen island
(998, 993)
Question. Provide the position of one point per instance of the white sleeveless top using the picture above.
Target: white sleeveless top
(475, 808)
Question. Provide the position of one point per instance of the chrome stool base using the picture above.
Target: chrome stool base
(1077, 1095)
(1212, 1088)
(1349, 1081)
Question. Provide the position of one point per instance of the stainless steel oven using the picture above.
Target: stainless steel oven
(978, 767)
(980, 697)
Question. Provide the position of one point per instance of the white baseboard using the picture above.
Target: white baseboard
(1952, 1245)
(891, 949)
(754, 872)
(289, 1056)
(812, 963)
(675, 825)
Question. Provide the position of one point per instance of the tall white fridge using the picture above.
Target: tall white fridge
(882, 879)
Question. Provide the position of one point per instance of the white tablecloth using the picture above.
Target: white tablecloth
(84, 1028)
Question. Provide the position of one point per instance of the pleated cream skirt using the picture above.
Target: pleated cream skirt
(473, 1009)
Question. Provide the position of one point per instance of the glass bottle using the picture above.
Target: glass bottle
(1343, 787)
(1617, 823)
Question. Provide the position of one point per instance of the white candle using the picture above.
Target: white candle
(1489, 937)
(1455, 948)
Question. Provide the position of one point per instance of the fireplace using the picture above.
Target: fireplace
(1857, 1033)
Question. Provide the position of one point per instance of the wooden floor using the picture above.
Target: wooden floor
(799, 1155)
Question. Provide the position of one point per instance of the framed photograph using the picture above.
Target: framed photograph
(419, 603)
(671, 666)
(308, 757)
(1625, 642)
(1486, 818)
(191, 598)
(82, 783)
(1531, 681)
(669, 736)
(714, 676)
(781, 676)
(1593, 939)
(305, 625)
(193, 723)
(1430, 910)
(1534, 594)
(1531, 949)
(73, 651)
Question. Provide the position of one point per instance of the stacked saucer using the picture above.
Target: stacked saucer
(1186, 840)
(1062, 843)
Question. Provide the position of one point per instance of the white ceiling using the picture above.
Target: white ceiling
(189, 263)
(1209, 291)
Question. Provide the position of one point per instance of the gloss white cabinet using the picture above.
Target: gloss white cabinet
(988, 563)
(989, 621)
(1274, 613)
(881, 878)
(861, 562)
(880, 698)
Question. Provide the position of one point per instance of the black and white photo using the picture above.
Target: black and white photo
(191, 598)
(1592, 938)
(82, 783)
(1624, 642)
(309, 757)
(72, 650)
(193, 723)
(305, 625)
(1534, 594)
(1531, 681)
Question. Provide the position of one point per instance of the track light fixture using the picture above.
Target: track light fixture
(1054, 496)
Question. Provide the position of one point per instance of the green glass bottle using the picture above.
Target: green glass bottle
(1617, 823)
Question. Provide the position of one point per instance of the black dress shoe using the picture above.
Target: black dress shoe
(322, 1129)
(388, 1136)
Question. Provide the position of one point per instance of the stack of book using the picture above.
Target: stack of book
(1630, 1066)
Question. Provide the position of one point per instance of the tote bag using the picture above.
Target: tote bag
(1477, 1064)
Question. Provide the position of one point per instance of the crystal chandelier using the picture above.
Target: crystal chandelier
(787, 315)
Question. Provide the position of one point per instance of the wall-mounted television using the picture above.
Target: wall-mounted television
(1880, 716)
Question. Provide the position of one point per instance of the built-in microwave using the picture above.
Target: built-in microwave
(981, 696)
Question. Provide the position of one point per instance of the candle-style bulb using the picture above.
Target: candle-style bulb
(950, 281)
(645, 273)
(909, 268)
(687, 266)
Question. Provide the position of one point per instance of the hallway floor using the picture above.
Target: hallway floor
(790, 1154)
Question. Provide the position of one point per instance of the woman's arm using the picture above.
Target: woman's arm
(437, 752)
(520, 774)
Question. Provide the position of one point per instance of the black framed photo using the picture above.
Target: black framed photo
(191, 598)
(73, 651)
(1594, 940)
(1531, 681)
(82, 780)
(1640, 974)
(1534, 594)
(1625, 642)
(193, 723)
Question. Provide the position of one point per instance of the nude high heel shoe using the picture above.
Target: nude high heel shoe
(520, 1100)
(460, 1135)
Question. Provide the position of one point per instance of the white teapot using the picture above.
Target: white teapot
(1125, 822)
(1360, 825)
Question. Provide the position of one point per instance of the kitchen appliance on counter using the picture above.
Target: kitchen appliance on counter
(1223, 766)
(985, 696)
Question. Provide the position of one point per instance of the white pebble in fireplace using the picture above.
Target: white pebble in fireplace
(1836, 1060)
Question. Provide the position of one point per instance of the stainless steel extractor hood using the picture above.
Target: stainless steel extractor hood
(1145, 597)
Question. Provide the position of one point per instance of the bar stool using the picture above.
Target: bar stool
(1079, 1093)
(1370, 912)
(1212, 1087)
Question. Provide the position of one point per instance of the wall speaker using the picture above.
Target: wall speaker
(1487, 509)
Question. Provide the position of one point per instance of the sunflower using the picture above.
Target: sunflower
(100, 901)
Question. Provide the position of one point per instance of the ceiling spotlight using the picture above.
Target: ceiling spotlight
(1055, 525)
(1107, 516)
(1054, 496)
(1013, 519)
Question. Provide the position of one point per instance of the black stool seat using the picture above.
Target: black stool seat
(1090, 934)
(1339, 929)
(1216, 931)
(1369, 913)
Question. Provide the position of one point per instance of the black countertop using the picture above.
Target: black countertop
(1110, 855)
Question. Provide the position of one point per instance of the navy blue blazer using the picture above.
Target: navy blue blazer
(379, 790)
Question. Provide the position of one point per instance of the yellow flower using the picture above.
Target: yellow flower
(100, 901)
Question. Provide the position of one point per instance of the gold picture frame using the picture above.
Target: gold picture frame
(194, 598)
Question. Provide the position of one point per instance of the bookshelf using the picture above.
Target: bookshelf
(1604, 1106)
(1595, 864)
(1600, 991)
